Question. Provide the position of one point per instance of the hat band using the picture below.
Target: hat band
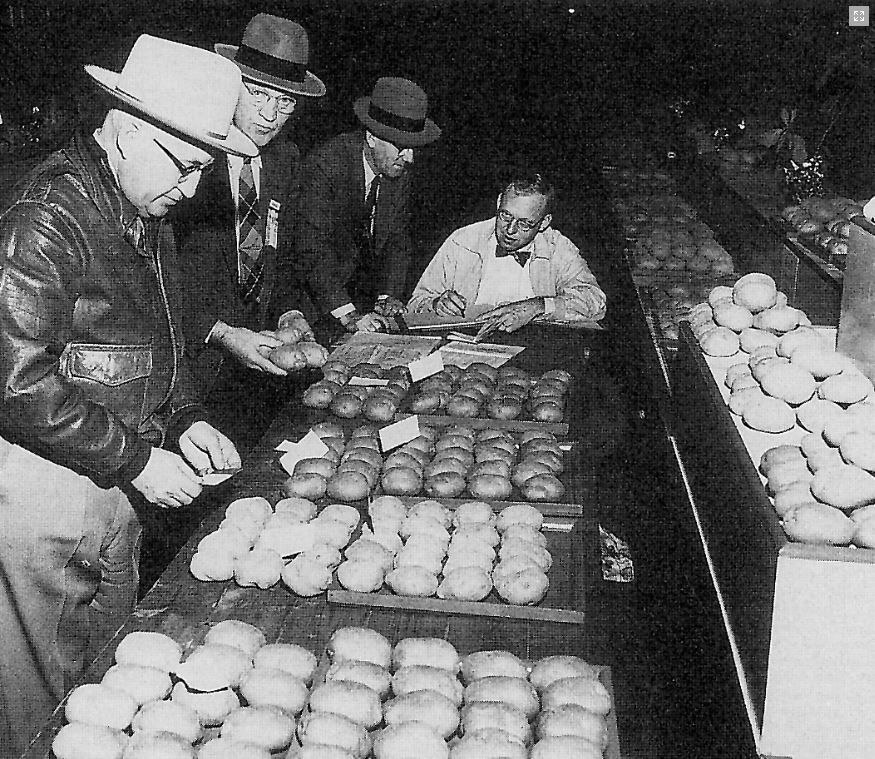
(394, 121)
(270, 64)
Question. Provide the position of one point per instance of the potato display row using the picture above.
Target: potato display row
(479, 390)
(455, 462)
(238, 697)
(462, 554)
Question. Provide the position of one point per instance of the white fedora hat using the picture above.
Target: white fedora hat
(190, 90)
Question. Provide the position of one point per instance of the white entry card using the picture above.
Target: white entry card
(426, 366)
(367, 382)
(309, 447)
(399, 433)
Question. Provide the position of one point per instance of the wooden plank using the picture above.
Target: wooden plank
(479, 423)
(472, 608)
(547, 508)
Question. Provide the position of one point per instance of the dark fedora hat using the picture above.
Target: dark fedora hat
(396, 111)
(275, 51)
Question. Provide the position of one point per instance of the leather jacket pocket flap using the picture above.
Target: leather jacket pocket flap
(111, 365)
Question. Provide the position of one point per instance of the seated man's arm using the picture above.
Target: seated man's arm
(578, 295)
(437, 279)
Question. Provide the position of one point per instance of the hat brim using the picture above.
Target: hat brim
(312, 85)
(430, 132)
(236, 142)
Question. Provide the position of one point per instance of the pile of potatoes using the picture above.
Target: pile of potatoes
(431, 550)
(233, 697)
(423, 694)
(673, 304)
(349, 471)
(376, 403)
(477, 391)
(665, 235)
(485, 464)
(256, 544)
(481, 390)
(299, 349)
(749, 315)
(825, 219)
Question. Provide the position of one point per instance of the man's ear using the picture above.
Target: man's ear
(369, 138)
(127, 131)
(545, 222)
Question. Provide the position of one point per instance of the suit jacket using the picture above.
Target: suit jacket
(206, 237)
(329, 222)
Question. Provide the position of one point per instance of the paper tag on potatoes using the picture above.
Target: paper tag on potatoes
(309, 447)
(426, 366)
(399, 433)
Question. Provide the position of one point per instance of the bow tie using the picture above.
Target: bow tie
(520, 256)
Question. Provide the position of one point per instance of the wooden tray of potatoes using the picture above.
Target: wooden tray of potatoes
(321, 676)
(572, 543)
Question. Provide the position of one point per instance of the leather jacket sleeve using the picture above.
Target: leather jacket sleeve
(44, 262)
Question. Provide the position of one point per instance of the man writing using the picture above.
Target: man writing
(92, 370)
(352, 240)
(512, 269)
(232, 236)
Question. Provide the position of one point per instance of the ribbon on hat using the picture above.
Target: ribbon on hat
(270, 64)
(395, 121)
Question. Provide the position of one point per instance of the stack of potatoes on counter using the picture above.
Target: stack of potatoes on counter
(258, 545)
(825, 219)
(422, 698)
(666, 236)
(484, 391)
(478, 390)
(485, 464)
(673, 303)
(233, 697)
(377, 403)
(455, 462)
(429, 549)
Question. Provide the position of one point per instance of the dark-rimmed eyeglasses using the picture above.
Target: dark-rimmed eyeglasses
(185, 170)
(525, 225)
(284, 103)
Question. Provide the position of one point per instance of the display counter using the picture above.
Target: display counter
(798, 617)
(184, 608)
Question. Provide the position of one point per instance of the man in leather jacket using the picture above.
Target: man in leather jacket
(94, 386)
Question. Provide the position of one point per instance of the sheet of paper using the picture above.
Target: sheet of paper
(399, 433)
(460, 354)
(383, 350)
(309, 447)
(289, 539)
(426, 366)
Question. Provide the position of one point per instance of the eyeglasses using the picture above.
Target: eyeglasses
(185, 170)
(284, 103)
(525, 225)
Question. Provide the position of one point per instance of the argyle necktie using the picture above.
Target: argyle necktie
(251, 238)
(520, 256)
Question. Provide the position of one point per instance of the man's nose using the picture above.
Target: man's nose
(269, 110)
(407, 155)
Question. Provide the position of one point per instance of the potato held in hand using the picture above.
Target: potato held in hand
(288, 357)
(314, 354)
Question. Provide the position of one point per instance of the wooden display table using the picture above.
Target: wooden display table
(184, 608)
(799, 617)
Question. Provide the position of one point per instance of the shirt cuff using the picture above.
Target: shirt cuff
(549, 306)
(341, 311)
(211, 334)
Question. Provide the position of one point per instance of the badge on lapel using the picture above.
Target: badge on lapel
(272, 225)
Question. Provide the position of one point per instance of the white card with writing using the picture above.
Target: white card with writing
(399, 433)
(272, 224)
(426, 366)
